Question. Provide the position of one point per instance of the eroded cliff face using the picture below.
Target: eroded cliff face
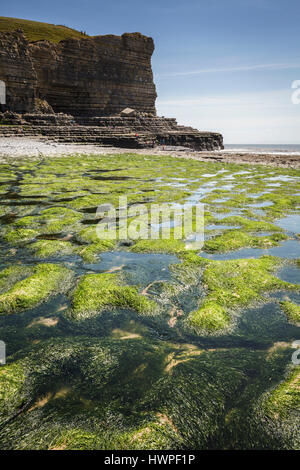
(84, 77)
(96, 90)
(18, 73)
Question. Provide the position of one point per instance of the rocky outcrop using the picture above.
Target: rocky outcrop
(128, 132)
(18, 73)
(96, 90)
(84, 77)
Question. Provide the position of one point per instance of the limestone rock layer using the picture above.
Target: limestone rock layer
(95, 89)
(18, 73)
(96, 76)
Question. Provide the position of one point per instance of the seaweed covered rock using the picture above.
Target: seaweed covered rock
(44, 280)
(230, 284)
(95, 292)
(292, 311)
(169, 390)
(135, 372)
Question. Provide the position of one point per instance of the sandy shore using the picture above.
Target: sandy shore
(16, 147)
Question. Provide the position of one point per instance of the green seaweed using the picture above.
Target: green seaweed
(159, 246)
(285, 398)
(20, 235)
(90, 253)
(31, 291)
(95, 292)
(53, 220)
(12, 274)
(231, 240)
(105, 383)
(249, 225)
(292, 311)
(49, 248)
(12, 378)
(233, 284)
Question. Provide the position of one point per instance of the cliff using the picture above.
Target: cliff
(85, 89)
(84, 77)
(18, 73)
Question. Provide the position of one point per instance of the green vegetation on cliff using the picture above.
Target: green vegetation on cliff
(37, 31)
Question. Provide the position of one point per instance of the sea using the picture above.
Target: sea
(264, 148)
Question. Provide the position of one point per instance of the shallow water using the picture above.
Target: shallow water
(290, 274)
(262, 204)
(291, 223)
(289, 250)
(137, 268)
(220, 227)
(119, 369)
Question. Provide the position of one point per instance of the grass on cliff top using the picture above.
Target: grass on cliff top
(36, 31)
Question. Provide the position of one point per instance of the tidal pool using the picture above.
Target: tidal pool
(290, 223)
(289, 249)
(137, 268)
(145, 344)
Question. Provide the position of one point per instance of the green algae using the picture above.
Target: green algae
(12, 274)
(155, 379)
(158, 246)
(292, 311)
(231, 240)
(285, 399)
(20, 235)
(28, 221)
(50, 248)
(137, 392)
(281, 203)
(95, 292)
(12, 378)
(52, 220)
(249, 225)
(233, 284)
(96, 246)
(90, 253)
(88, 235)
(31, 291)
(153, 434)
(211, 316)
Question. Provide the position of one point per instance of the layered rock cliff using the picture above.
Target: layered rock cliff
(84, 77)
(18, 73)
(83, 89)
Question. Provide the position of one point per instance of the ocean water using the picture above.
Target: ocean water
(264, 148)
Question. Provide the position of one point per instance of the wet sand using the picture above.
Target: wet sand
(22, 146)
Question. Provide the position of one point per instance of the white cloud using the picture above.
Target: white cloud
(246, 68)
(264, 117)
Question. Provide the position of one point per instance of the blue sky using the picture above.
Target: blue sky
(224, 65)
